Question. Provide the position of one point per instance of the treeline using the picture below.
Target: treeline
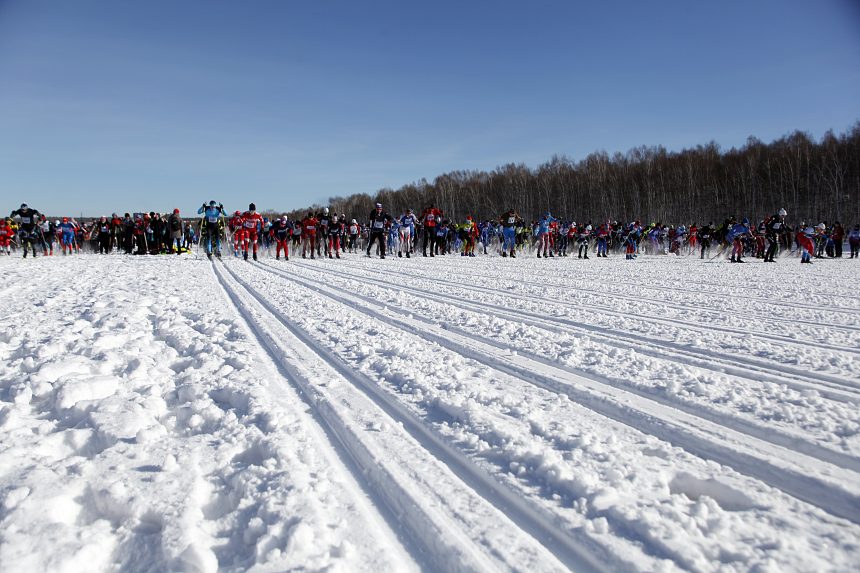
(814, 181)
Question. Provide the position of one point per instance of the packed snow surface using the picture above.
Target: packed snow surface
(448, 414)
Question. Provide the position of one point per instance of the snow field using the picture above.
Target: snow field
(142, 430)
(384, 345)
(167, 413)
(535, 326)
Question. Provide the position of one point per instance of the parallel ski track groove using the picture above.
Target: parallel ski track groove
(751, 428)
(793, 481)
(835, 309)
(676, 321)
(546, 277)
(533, 520)
(833, 387)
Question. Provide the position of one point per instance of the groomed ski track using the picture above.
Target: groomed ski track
(834, 490)
(429, 521)
(804, 469)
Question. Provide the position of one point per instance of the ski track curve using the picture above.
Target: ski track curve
(839, 496)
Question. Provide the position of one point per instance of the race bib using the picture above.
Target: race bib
(250, 224)
(377, 224)
(512, 220)
(212, 219)
(311, 228)
(431, 217)
(26, 220)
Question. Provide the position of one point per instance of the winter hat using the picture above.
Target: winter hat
(252, 207)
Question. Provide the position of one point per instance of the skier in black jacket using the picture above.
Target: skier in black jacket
(29, 230)
(376, 222)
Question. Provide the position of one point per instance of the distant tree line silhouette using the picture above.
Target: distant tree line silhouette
(814, 181)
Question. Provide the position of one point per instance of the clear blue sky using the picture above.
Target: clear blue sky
(128, 105)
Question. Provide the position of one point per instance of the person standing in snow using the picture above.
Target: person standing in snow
(838, 237)
(174, 228)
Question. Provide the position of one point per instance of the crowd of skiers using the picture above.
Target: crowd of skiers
(328, 234)
(143, 233)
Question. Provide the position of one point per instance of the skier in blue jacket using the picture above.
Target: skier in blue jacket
(212, 225)
(737, 234)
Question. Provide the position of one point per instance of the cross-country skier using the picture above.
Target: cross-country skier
(354, 230)
(854, 241)
(335, 232)
(6, 234)
(67, 228)
(28, 231)
(602, 240)
(48, 231)
(103, 235)
(631, 240)
(252, 224)
(736, 236)
(509, 222)
(407, 230)
(470, 234)
(773, 229)
(213, 224)
(280, 232)
(583, 235)
(309, 234)
(430, 218)
(377, 220)
(804, 238)
(543, 234)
